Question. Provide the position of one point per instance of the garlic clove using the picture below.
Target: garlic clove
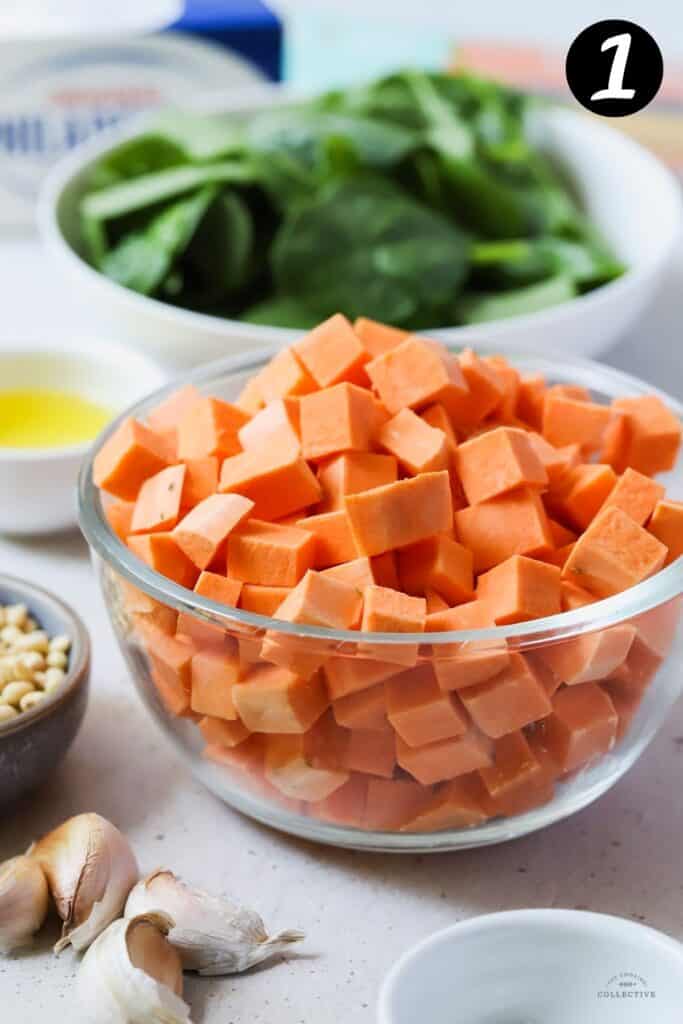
(132, 975)
(90, 869)
(212, 934)
(24, 902)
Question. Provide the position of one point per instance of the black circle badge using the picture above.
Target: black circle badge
(614, 68)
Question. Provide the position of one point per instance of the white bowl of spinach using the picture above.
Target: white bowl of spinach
(427, 201)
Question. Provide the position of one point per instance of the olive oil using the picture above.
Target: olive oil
(49, 419)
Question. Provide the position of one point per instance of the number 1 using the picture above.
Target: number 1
(615, 84)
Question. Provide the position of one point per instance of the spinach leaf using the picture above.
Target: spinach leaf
(217, 261)
(478, 308)
(145, 154)
(281, 311)
(527, 260)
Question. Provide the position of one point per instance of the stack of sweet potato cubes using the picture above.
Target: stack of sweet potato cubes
(370, 480)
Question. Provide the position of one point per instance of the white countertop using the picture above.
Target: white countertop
(360, 911)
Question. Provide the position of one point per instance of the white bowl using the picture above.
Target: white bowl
(631, 197)
(38, 485)
(538, 967)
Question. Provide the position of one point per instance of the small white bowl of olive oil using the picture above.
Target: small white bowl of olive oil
(54, 400)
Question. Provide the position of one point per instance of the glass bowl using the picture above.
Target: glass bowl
(622, 656)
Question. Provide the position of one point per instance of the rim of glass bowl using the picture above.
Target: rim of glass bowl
(663, 586)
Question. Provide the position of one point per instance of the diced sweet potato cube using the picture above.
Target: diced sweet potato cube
(520, 589)
(276, 425)
(201, 480)
(416, 373)
(512, 524)
(158, 502)
(366, 709)
(377, 338)
(334, 543)
(341, 418)
(666, 525)
(400, 514)
(420, 711)
(353, 675)
(460, 803)
(392, 803)
(217, 588)
(277, 482)
(575, 421)
(262, 600)
(213, 675)
(168, 414)
(358, 573)
(652, 436)
(636, 495)
(346, 805)
(144, 608)
(284, 377)
(435, 602)
(613, 554)
(209, 427)
(436, 416)
(162, 553)
(318, 600)
(353, 472)
(514, 698)
(591, 657)
(485, 391)
(332, 353)
(560, 534)
(222, 589)
(582, 492)
(439, 563)
(270, 554)
(574, 596)
(287, 769)
(445, 759)
(557, 557)
(626, 704)
(120, 517)
(174, 698)
(328, 745)
(390, 611)
(531, 399)
(464, 664)
(555, 460)
(516, 781)
(418, 447)
(223, 733)
(582, 727)
(203, 533)
(497, 462)
(127, 458)
(171, 661)
(250, 399)
(271, 699)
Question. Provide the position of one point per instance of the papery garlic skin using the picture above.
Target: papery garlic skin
(212, 934)
(90, 869)
(24, 902)
(132, 975)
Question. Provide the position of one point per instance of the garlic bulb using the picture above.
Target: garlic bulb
(212, 935)
(90, 869)
(132, 975)
(23, 902)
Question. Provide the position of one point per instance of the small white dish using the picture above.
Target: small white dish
(538, 967)
(38, 484)
(632, 198)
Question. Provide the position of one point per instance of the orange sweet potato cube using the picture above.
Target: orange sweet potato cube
(420, 711)
(666, 525)
(582, 726)
(484, 393)
(213, 675)
(333, 353)
(613, 554)
(555, 460)
(209, 427)
(402, 513)
(277, 424)
(168, 414)
(318, 600)
(512, 524)
(390, 611)
(377, 338)
(223, 591)
(460, 803)
(591, 657)
(274, 700)
(531, 399)
(581, 493)
(201, 480)
(497, 462)
(359, 573)
(223, 733)
(287, 769)
(516, 781)
(127, 458)
(171, 662)
(269, 554)
(416, 373)
(573, 596)
(277, 482)
(651, 439)
(514, 698)
(445, 759)
(262, 600)
(346, 805)
(338, 419)
(418, 447)
(347, 675)
(439, 563)
(575, 421)
(119, 515)
(467, 663)
(334, 543)
(520, 589)
(328, 745)
(366, 709)
(636, 495)
(510, 379)
(392, 803)
(202, 534)
(284, 377)
(161, 552)
(157, 506)
(436, 416)
(352, 472)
